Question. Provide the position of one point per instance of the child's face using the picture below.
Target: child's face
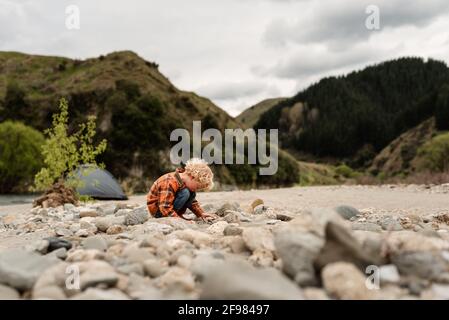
(191, 183)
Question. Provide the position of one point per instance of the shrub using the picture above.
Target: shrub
(345, 171)
(434, 155)
(131, 89)
(20, 156)
(63, 153)
(116, 102)
(15, 105)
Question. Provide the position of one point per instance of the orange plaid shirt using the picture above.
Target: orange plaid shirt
(162, 195)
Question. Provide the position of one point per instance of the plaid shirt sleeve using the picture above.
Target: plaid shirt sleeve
(196, 208)
(166, 194)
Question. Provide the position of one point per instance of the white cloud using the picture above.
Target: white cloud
(342, 23)
(231, 90)
(219, 48)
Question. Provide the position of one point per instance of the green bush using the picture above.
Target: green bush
(131, 88)
(434, 155)
(15, 104)
(63, 153)
(20, 156)
(286, 175)
(345, 171)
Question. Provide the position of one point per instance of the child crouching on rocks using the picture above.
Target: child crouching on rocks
(174, 192)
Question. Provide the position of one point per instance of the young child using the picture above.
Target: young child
(174, 192)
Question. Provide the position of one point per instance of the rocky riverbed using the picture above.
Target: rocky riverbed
(257, 249)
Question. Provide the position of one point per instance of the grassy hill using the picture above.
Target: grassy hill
(250, 116)
(419, 155)
(399, 156)
(353, 117)
(136, 107)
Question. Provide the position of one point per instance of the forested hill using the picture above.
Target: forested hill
(136, 108)
(358, 114)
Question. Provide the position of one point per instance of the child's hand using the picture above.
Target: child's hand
(206, 217)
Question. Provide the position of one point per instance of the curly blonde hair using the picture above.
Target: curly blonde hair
(200, 171)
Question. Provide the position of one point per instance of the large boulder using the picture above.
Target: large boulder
(20, 268)
(239, 280)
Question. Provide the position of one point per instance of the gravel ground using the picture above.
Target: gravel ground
(292, 243)
(414, 198)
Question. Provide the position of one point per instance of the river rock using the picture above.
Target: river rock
(107, 209)
(232, 217)
(95, 242)
(258, 238)
(176, 223)
(260, 209)
(341, 245)
(136, 268)
(177, 276)
(50, 293)
(389, 274)
(429, 233)
(231, 230)
(436, 292)
(87, 212)
(122, 212)
(217, 228)
(51, 283)
(410, 241)
(69, 207)
(234, 206)
(83, 233)
(262, 258)
(97, 272)
(203, 263)
(8, 293)
(99, 294)
(60, 253)
(103, 223)
(391, 224)
(311, 293)
(137, 216)
(20, 268)
(298, 250)
(284, 216)
(40, 246)
(80, 255)
(134, 254)
(239, 280)
(154, 227)
(198, 238)
(366, 226)
(152, 241)
(345, 281)
(347, 212)
(423, 264)
(115, 229)
(57, 243)
(155, 268)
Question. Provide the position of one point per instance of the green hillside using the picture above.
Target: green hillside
(355, 116)
(136, 107)
(250, 116)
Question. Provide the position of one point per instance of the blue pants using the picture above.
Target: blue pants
(183, 201)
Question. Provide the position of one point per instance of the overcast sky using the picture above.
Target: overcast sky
(235, 52)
